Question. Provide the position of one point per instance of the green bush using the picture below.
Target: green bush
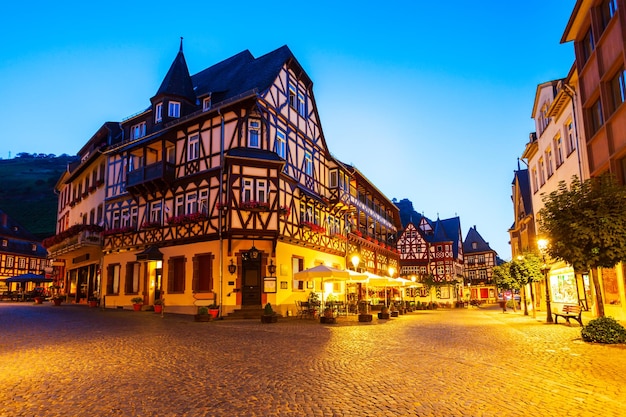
(604, 330)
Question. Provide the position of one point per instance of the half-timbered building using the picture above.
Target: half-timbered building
(75, 251)
(224, 187)
(20, 252)
(480, 260)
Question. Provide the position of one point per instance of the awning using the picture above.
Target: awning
(151, 253)
(28, 278)
(328, 273)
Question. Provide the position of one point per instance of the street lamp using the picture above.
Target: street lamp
(356, 260)
(545, 269)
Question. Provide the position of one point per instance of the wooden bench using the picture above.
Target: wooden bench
(569, 312)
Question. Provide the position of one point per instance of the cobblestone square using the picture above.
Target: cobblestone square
(73, 361)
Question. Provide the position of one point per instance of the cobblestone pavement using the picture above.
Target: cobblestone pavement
(79, 361)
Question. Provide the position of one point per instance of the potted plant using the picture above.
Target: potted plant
(158, 305)
(328, 316)
(57, 299)
(94, 300)
(364, 315)
(393, 311)
(137, 303)
(203, 314)
(214, 310)
(384, 313)
(269, 316)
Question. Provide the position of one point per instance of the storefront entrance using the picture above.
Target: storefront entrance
(251, 278)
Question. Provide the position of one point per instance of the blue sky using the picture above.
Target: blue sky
(430, 100)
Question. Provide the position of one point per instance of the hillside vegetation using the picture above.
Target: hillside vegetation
(27, 190)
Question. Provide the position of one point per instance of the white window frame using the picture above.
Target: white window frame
(308, 163)
(191, 203)
(281, 144)
(156, 211)
(193, 147)
(179, 208)
(206, 104)
(293, 93)
(261, 191)
(301, 105)
(203, 201)
(158, 112)
(173, 109)
(138, 130)
(333, 178)
(247, 190)
(254, 133)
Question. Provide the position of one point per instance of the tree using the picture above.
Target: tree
(526, 269)
(586, 226)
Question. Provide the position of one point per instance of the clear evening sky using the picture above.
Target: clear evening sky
(430, 100)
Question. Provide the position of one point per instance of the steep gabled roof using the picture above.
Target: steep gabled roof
(523, 180)
(474, 237)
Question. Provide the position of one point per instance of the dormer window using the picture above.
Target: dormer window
(206, 104)
(158, 112)
(5, 243)
(174, 109)
(138, 130)
(33, 247)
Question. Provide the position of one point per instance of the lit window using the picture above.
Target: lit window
(174, 109)
(158, 112)
(138, 130)
(193, 147)
(254, 133)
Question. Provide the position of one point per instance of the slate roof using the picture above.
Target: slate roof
(523, 179)
(19, 240)
(474, 236)
(177, 81)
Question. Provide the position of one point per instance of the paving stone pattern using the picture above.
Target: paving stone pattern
(78, 361)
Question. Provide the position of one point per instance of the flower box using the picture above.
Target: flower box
(254, 205)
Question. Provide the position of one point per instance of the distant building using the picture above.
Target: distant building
(20, 252)
(480, 260)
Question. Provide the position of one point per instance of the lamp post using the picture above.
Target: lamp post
(545, 269)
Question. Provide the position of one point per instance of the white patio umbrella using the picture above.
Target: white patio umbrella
(325, 273)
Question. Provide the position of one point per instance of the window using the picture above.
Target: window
(203, 273)
(158, 112)
(595, 116)
(607, 11)
(113, 279)
(125, 218)
(203, 203)
(193, 147)
(206, 103)
(138, 130)
(301, 105)
(297, 265)
(254, 190)
(131, 283)
(587, 45)
(333, 178)
(571, 140)
(174, 109)
(542, 172)
(281, 144)
(292, 96)
(246, 191)
(155, 211)
(10, 261)
(549, 168)
(5, 243)
(308, 163)
(558, 145)
(618, 90)
(176, 275)
(253, 133)
(621, 164)
(179, 206)
(261, 191)
(191, 203)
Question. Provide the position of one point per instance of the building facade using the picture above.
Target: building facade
(480, 260)
(224, 187)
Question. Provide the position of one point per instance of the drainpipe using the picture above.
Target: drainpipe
(572, 95)
(221, 213)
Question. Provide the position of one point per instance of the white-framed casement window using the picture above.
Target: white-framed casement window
(156, 210)
(125, 217)
(535, 180)
(301, 105)
(293, 93)
(571, 140)
(542, 172)
(21, 263)
(247, 190)
(280, 146)
(254, 133)
(138, 130)
(558, 146)
(206, 103)
(173, 109)
(158, 112)
(254, 190)
(308, 163)
(261, 191)
(191, 203)
(193, 147)
(10, 261)
(203, 201)
(179, 205)
(549, 168)
(115, 220)
(332, 178)
(134, 216)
